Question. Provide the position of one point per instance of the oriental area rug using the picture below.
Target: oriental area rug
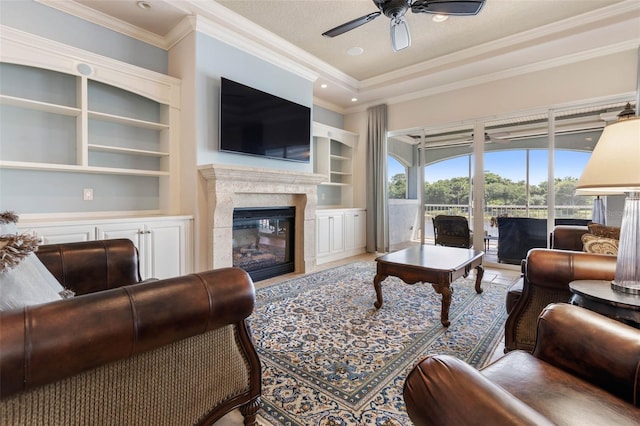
(330, 358)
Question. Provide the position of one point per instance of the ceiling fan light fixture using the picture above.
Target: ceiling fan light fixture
(400, 36)
(439, 18)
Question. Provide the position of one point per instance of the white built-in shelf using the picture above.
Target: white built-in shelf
(333, 157)
(132, 151)
(127, 121)
(39, 106)
(52, 167)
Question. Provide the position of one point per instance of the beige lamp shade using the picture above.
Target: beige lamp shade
(614, 165)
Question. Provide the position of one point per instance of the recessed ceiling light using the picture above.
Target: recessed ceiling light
(440, 18)
(144, 5)
(324, 86)
(354, 99)
(355, 51)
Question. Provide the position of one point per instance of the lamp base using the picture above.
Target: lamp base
(599, 214)
(627, 266)
(627, 288)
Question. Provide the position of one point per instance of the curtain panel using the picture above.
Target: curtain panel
(377, 206)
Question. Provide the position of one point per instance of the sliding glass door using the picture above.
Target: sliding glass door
(524, 160)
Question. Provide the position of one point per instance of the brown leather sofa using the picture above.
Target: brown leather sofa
(167, 352)
(584, 370)
(567, 237)
(546, 277)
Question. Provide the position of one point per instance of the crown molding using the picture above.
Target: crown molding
(223, 34)
(328, 105)
(499, 75)
(225, 25)
(626, 10)
(226, 19)
(104, 20)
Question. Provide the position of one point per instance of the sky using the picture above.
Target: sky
(509, 164)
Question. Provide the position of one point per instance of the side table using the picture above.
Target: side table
(598, 296)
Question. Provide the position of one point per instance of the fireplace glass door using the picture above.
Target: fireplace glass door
(263, 241)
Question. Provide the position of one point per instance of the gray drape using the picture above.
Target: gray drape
(377, 206)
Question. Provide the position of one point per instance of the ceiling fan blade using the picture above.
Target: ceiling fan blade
(348, 26)
(448, 7)
(400, 36)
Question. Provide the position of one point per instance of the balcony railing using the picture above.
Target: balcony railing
(493, 211)
(573, 212)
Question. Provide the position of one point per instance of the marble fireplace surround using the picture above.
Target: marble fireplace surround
(230, 187)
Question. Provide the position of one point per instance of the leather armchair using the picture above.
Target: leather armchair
(584, 370)
(546, 277)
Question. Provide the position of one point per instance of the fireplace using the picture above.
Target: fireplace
(263, 241)
(233, 187)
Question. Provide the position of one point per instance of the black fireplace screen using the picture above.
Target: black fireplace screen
(263, 241)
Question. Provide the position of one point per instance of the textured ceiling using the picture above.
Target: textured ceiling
(302, 23)
(506, 35)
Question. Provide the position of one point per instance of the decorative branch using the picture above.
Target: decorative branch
(14, 248)
(8, 217)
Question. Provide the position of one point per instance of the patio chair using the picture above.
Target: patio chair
(452, 231)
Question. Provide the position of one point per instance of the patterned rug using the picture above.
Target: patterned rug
(330, 358)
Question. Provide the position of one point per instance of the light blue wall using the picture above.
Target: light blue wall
(43, 21)
(328, 117)
(29, 191)
(215, 59)
(51, 138)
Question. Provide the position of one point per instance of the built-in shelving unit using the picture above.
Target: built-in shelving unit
(333, 157)
(64, 110)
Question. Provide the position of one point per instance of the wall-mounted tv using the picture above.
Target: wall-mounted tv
(258, 123)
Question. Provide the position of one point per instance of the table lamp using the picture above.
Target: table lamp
(598, 213)
(614, 167)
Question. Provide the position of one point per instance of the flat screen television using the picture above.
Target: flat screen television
(258, 123)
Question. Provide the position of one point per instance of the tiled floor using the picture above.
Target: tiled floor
(502, 274)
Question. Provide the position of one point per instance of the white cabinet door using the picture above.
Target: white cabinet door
(323, 235)
(354, 230)
(163, 244)
(337, 232)
(330, 234)
(165, 248)
(360, 229)
(132, 231)
(63, 234)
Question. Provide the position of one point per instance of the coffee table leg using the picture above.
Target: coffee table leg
(445, 290)
(479, 275)
(376, 285)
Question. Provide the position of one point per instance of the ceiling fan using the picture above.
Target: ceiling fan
(396, 9)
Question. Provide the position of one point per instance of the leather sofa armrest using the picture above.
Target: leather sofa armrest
(49, 342)
(557, 268)
(92, 266)
(567, 237)
(598, 349)
(443, 390)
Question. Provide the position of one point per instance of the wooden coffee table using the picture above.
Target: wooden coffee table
(437, 265)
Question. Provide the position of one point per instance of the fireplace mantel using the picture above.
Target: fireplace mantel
(230, 187)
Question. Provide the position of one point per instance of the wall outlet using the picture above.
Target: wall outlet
(87, 194)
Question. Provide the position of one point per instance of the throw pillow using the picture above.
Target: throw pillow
(604, 231)
(600, 245)
(24, 280)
